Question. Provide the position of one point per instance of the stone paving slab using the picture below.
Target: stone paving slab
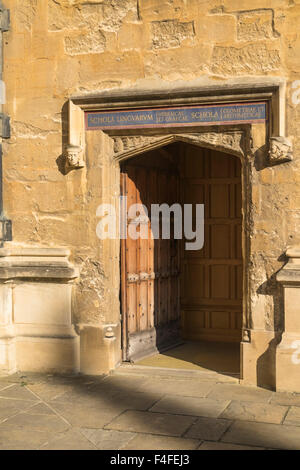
(188, 388)
(41, 409)
(293, 416)
(18, 392)
(272, 436)
(238, 392)
(121, 383)
(151, 442)
(23, 439)
(208, 429)
(107, 400)
(4, 385)
(287, 399)
(190, 406)
(139, 412)
(108, 439)
(259, 412)
(34, 422)
(50, 391)
(224, 446)
(85, 414)
(152, 423)
(12, 407)
(70, 440)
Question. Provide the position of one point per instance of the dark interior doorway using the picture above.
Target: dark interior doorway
(177, 304)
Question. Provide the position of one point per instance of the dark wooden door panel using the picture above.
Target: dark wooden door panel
(211, 293)
(150, 268)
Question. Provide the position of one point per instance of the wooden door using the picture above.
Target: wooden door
(212, 277)
(150, 268)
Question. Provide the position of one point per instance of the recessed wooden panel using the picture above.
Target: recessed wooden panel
(219, 200)
(220, 241)
(220, 320)
(217, 269)
(219, 167)
(194, 163)
(194, 281)
(219, 282)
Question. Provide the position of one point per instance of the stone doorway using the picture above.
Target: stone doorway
(183, 308)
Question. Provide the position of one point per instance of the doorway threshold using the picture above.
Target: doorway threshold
(192, 358)
(126, 368)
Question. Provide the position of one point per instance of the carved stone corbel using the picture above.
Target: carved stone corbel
(281, 150)
(74, 157)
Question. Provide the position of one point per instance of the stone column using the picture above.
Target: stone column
(288, 351)
(36, 331)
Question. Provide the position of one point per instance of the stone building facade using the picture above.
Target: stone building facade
(60, 284)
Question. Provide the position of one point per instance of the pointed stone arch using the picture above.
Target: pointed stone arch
(232, 142)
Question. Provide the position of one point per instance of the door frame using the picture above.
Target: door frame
(253, 144)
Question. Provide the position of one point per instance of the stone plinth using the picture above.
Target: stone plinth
(36, 331)
(288, 351)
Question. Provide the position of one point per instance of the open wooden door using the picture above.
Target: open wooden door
(149, 267)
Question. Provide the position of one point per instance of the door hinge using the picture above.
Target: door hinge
(5, 230)
(5, 126)
(4, 20)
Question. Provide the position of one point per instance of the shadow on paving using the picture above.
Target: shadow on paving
(162, 407)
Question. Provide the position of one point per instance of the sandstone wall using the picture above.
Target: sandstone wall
(59, 48)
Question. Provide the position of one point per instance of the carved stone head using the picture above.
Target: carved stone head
(74, 157)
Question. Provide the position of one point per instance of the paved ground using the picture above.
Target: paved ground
(144, 410)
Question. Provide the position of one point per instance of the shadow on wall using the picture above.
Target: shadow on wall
(266, 363)
(61, 161)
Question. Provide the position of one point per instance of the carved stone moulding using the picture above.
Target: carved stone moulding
(280, 150)
(202, 91)
(227, 141)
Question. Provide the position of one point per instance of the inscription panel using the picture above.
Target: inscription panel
(184, 116)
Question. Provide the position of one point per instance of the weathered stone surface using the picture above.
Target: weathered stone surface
(170, 33)
(272, 436)
(33, 422)
(233, 392)
(188, 388)
(4, 385)
(92, 43)
(293, 416)
(148, 442)
(208, 429)
(108, 440)
(151, 423)
(11, 439)
(108, 14)
(250, 411)
(253, 25)
(224, 446)
(18, 392)
(287, 399)
(70, 440)
(247, 59)
(186, 405)
(12, 407)
(85, 414)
